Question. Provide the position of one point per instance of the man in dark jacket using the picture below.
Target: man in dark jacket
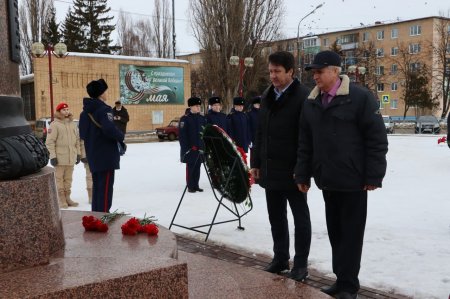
(238, 128)
(343, 145)
(273, 164)
(101, 138)
(214, 116)
(190, 127)
(121, 117)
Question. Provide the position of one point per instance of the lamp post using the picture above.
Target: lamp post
(243, 63)
(38, 50)
(358, 71)
(298, 37)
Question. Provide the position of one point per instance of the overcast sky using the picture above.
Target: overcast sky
(334, 15)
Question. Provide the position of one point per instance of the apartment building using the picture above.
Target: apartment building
(371, 55)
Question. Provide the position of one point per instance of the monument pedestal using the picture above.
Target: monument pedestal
(35, 263)
(30, 221)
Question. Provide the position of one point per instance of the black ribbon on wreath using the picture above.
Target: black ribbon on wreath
(227, 168)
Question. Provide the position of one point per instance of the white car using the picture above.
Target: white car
(389, 124)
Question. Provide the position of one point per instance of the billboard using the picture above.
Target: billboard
(151, 84)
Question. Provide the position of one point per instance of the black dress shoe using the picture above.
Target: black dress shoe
(199, 189)
(346, 295)
(277, 267)
(331, 290)
(298, 274)
(192, 190)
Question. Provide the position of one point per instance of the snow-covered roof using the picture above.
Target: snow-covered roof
(109, 56)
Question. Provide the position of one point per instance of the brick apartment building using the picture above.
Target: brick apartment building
(383, 41)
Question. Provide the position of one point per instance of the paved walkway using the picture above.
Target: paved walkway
(316, 279)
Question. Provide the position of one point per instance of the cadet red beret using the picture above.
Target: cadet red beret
(61, 106)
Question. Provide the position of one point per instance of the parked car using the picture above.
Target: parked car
(427, 124)
(41, 128)
(389, 124)
(170, 132)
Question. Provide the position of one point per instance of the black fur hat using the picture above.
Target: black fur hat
(214, 100)
(238, 101)
(194, 101)
(96, 88)
(256, 100)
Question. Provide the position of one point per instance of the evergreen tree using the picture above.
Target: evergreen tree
(89, 19)
(51, 35)
(73, 34)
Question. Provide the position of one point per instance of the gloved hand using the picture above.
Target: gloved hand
(78, 159)
(84, 160)
(54, 162)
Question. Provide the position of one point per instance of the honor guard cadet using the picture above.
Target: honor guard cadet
(238, 127)
(215, 117)
(191, 143)
(253, 120)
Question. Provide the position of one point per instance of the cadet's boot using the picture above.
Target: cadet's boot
(70, 202)
(62, 199)
(89, 190)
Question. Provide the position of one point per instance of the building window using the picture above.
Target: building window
(414, 48)
(380, 52)
(380, 104)
(290, 47)
(380, 70)
(193, 60)
(326, 42)
(157, 117)
(394, 86)
(415, 66)
(308, 43)
(365, 36)
(394, 33)
(415, 30)
(394, 69)
(380, 35)
(380, 87)
(394, 51)
(394, 104)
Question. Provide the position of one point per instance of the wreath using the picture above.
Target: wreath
(225, 161)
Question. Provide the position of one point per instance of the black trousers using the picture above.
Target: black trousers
(346, 214)
(193, 163)
(277, 209)
(102, 190)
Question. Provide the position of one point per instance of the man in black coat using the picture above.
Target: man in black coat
(273, 164)
(101, 138)
(121, 117)
(191, 143)
(238, 127)
(343, 145)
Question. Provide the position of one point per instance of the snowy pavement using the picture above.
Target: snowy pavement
(407, 240)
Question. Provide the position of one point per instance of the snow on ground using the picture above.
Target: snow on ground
(407, 240)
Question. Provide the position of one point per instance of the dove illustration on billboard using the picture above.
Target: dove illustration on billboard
(151, 84)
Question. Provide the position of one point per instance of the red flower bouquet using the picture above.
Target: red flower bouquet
(134, 226)
(93, 224)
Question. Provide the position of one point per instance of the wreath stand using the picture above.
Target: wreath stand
(220, 200)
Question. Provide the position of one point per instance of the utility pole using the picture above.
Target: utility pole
(173, 28)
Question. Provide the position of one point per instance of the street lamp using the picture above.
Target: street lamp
(38, 50)
(243, 63)
(357, 70)
(298, 36)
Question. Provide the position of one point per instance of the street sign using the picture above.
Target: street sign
(385, 99)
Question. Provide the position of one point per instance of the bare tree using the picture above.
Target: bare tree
(441, 50)
(161, 33)
(368, 56)
(135, 38)
(34, 17)
(233, 28)
(412, 70)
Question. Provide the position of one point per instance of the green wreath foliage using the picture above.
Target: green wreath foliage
(220, 155)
